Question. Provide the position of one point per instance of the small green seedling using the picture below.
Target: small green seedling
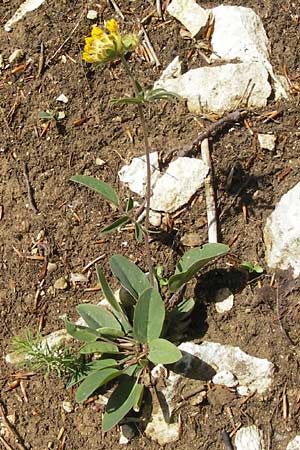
(47, 116)
(251, 268)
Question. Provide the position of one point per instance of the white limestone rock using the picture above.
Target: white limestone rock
(254, 373)
(246, 39)
(249, 438)
(225, 378)
(282, 233)
(26, 7)
(267, 141)
(294, 444)
(190, 14)
(224, 300)
(221, 88)
(176, 186)
(134, 174)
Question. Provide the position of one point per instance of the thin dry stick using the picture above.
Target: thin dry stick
(235, 116)
(6, 445)
(91, 263)
(29, 190)
(150, 46)
(117, 9)
(209, 195)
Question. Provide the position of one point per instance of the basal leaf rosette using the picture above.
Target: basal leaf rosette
(102, 47)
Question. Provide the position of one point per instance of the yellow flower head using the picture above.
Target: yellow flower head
(102, 47)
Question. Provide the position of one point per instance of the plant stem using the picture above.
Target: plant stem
(148, 165)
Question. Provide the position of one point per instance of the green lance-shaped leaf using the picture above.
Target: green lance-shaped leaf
(83, 334)
(106, 331)
(113, 226)
(162, 351)
(129, 205)
(192, 261)
(138, 232)
(94, 381)
(99, 347)
(87, 367)
(149, 316)
(97, 317)
(98, 186)
(129, 274)
(109, 295)
(123, 399)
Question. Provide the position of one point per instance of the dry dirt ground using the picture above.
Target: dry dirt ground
(66, 228)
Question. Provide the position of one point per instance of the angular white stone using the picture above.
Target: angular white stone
(92, 14)
(27, 6)
(246, 39)
(62, 98)
(173, 70)
(221, 88)
(249, 438)
(282, 233)
(294, 444)
(175, 187)
(267, 141)
(254, 373)
(190, 14)
(225, 378)
(224, 300)
(134, 175)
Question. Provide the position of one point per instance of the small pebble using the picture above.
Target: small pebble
(68, 407)
(191, 239)
(16, 56)
(62, 98)
(100, 162)
(61, 283)
(267, 141)
(224, 300)
(92, 14)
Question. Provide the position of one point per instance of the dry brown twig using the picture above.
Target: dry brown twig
(29, 189)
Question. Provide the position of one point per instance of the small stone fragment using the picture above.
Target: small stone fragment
(92, 14)
(51, 267)
(294, 444)
(61, 283)
(190, 14)
(225, 378)
(155, 218)
(127, 433)
(27, 6)
(191, 239)
(62, 98)
(78, 278)
(267, 141)
(224, 300)
(135, 174)
(176, 186)
(282, 233)
(16, 56)
(67, 406)
(249, 438)
(100, 162)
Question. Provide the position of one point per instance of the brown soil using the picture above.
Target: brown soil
(71, 218)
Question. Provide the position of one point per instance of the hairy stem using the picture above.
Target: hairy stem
(148, 165)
